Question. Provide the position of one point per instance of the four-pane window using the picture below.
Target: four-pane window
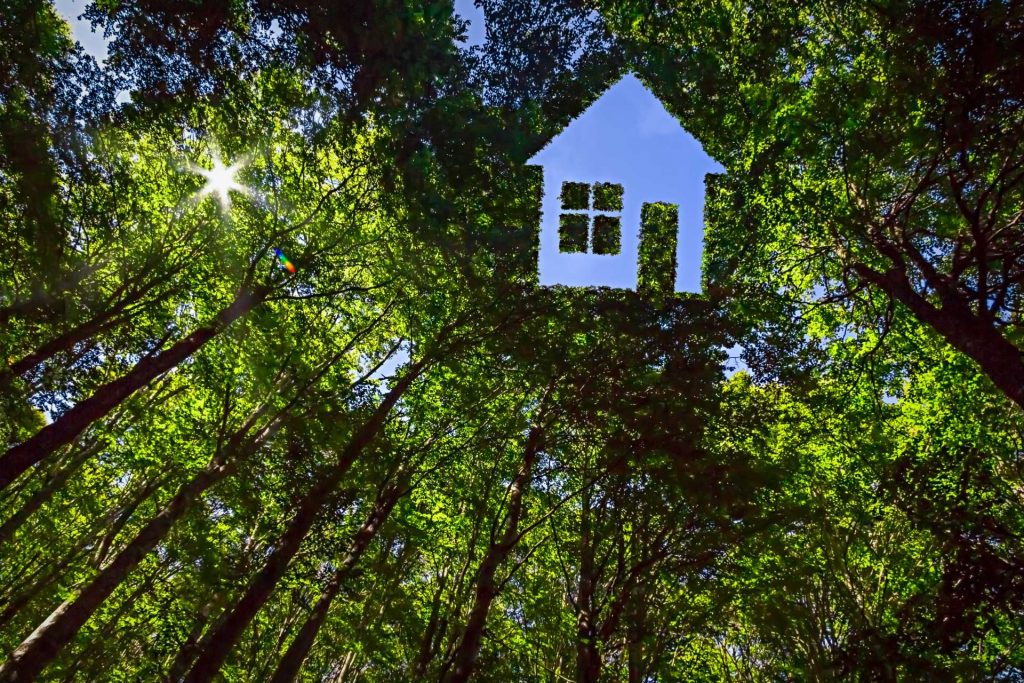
(591, 218)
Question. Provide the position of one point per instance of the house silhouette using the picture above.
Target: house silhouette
(625, 139)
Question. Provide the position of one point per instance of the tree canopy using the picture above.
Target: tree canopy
(282, 399)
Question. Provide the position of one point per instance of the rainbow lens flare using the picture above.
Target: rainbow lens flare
(288, 265)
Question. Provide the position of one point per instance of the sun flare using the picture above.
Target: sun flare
(220, 181)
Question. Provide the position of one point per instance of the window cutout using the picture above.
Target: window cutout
(575, 196)
(597, 230)
(656, 257)
(572, 233)
(607, 235)
(607, 197)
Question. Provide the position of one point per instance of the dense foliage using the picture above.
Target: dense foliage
(325, 425)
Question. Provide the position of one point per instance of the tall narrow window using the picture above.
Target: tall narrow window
(591, 218)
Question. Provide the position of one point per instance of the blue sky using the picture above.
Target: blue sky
(475, 16)
(92, 42)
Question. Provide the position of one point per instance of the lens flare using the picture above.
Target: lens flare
(288, 265)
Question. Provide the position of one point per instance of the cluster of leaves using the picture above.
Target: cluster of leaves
(608, 197)
(575, 196)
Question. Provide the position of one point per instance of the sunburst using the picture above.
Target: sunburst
(221, 180)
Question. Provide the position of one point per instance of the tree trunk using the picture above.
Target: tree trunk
(188, 650)
(101, 322)
(98, 670)
(36, 305)
(634, 636)
(41, 302)
(63, 343)
(634, 657)
(263, 584)
(350, 658)
(588, 658)
(429, 635)
(46, 492)
(122, 519)
(968, 333)
(72, 423)
(289, 666)
(464, 660)
(43, 644)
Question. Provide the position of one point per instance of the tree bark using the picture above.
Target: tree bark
(588, 658)
(60, 344)
(122, 519)
(263, 584)
(46, 641)
(37, 304)
(291, 662)
(72, 423)
(41, 302)
(188, 650)
(634, 636)
(465, 656)
(350, 658)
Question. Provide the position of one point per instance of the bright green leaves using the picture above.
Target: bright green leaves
(607, 197)
(850, 507)
(656, 261)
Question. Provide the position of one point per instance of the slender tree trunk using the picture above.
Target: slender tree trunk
(634, 660)
(41, 302)
(634, 636)
(199, 637)
(588, 658)
(464, 660)
(101, 322)
(64, 468)
(32, 307)
(427, 644)
(122, 518)
(976, 338)
(188, 650)
(46, 492)
(350, 659)
(17, 602)
(63, 343)
(43, 644)
(72, 423)
(90, 672)
(41, 581)
(461, 594)
(263, 584)
(289, 666)
(267, 660)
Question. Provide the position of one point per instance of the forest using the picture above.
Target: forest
(282, 399)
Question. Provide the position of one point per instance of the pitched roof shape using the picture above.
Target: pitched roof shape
(627, 136)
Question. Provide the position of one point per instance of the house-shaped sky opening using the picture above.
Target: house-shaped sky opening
(626, 139)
